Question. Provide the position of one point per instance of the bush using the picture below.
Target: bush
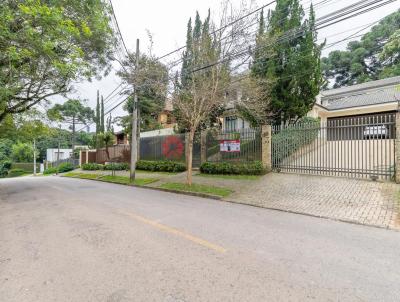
(92, 167)
(251, 168)
(16, 172)
(160, 166)
(292, 138)
(117, 166)
(65, 167)
(50, 171)
(22, 153)
(5, 165)
(62, 168)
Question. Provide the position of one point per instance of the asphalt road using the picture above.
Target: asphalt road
(79, 240)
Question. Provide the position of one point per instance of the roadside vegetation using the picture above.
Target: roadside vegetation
(112, 179)
(197, 188)
(229, 176)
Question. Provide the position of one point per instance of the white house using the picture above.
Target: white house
(53, 155)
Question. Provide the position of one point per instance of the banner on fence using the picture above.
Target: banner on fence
(229, 145)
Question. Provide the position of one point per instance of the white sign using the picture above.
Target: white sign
(229, 145)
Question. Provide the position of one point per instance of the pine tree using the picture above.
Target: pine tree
(287, 54)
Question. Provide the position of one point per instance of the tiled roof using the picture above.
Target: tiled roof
(371, 93)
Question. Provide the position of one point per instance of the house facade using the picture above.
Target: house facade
(371, 102)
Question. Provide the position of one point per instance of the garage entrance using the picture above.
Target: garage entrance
(359, 147)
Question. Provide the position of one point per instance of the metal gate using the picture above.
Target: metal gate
(359, 147)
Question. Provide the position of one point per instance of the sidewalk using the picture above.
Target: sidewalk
(350, 200)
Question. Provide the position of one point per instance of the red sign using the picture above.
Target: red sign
(229, 145)
(172, 147)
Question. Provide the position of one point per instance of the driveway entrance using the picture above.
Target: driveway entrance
(351, 200)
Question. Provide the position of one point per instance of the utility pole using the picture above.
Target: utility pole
(134, 139)
(34, 156)
(58, 151)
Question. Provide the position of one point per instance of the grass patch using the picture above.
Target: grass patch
(224, 176)
(126, 181)
(197, 188)
(155, 172)
(82, 175)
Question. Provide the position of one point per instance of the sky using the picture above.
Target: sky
(167, 20)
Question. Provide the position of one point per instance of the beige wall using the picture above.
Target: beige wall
(318, 111)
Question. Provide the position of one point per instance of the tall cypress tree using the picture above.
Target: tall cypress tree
(97, 118)
(102, 127)
(287, 53)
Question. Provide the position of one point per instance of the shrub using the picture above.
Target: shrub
(62, 168)
(117, 166)
(5, 165)
(16, 172)
(22, 152)
(65, 167)
(251, 168)
(160, 166)
(292, 138)
(92, 167)
(50, 171)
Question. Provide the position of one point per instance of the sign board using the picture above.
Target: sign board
(229, 145)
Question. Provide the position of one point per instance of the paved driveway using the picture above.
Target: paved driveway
(78, 240)
(358, 201)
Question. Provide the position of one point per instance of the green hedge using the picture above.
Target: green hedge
(160, 166)
(251, 168)
(92, 167)
(27, 167)
(290, 139)
(5, 165)
(117, 167)
(62, 168)
(16, 172)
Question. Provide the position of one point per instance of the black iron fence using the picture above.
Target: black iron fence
(242, 145)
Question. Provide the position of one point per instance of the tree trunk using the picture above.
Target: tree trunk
(190, 157)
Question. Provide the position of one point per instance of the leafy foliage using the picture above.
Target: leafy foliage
(46, 45)
(72, 112)
(289, 63)
(16, 172)
(5, 165)
(160, 166)
(22, 152)
(92, 167)
(152, 80)
(251, 168)
(290, 139)
(5, 149)
(117, 167)
(375, 56)
(62, 168)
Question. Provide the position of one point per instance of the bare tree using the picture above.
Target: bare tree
(208, 61)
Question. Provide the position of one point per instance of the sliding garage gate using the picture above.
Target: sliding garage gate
(360, 147)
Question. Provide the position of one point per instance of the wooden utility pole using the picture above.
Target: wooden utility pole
(134, 137)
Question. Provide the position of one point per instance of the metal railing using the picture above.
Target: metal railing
(360, 147)
(250, 145)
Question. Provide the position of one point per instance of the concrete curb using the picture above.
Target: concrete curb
(314, 216)
(219, 198)
(195, 194)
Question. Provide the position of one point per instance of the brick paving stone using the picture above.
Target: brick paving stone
(354, 200)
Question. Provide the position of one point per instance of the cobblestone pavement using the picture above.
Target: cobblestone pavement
(352, 200)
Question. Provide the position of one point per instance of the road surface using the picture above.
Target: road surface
(78, 240)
